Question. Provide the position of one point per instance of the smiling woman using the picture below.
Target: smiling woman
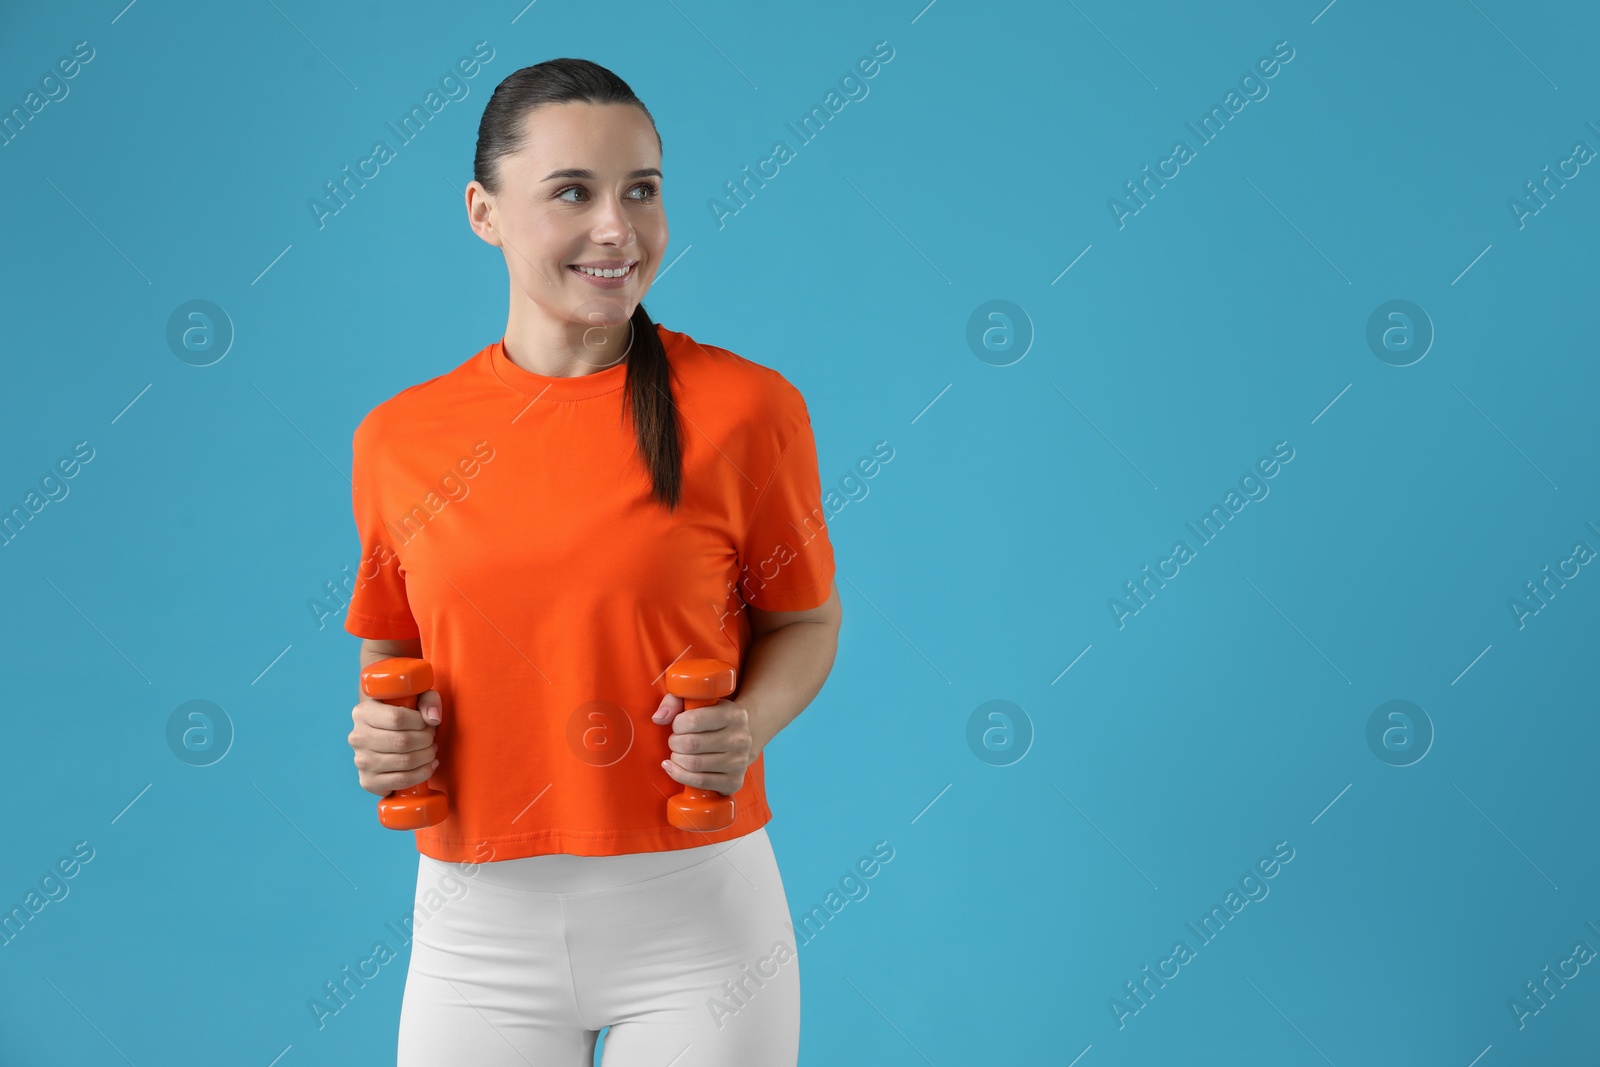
(638, 476)
(564, 222)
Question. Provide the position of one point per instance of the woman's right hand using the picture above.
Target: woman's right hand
(394, 746)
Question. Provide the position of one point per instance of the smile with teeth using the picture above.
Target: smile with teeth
(620, 272)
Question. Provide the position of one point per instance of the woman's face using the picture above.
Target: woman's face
(584, 190)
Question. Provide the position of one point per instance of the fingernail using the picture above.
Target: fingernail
(432, 715)
(660, 714)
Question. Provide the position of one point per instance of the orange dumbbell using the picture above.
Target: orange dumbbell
(700, 682)
(400, 680)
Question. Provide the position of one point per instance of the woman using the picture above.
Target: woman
(551, 525)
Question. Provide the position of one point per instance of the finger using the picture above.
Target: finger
(715, 764)
(393, 740)
(421, 759)
(431, 706)
(708, 719)
(697, 779)
(667, 711)
(381, 763)
(377, 715)
(385, 783)
(701, 744)
(684, 775)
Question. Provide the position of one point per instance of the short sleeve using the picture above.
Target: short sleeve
(378, 607)
(786, 558)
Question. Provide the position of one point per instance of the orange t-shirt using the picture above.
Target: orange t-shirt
(507, 521)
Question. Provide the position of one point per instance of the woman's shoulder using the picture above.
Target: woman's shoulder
(405, 407)
(733, 378)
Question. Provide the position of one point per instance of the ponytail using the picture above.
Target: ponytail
(655, 414)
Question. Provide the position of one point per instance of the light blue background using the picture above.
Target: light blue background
(1229, 314)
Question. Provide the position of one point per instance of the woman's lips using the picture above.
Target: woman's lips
(606, 283)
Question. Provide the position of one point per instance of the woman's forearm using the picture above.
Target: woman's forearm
(783, 671)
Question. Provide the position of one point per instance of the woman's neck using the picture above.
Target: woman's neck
(567, 350)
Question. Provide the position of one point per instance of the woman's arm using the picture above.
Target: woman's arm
(790, 657)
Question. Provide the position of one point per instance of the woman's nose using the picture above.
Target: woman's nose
(612, 218)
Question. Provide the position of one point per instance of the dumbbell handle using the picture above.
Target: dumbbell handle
(701, 683)
(399, 680)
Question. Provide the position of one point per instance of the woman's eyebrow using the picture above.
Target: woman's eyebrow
(573, 172)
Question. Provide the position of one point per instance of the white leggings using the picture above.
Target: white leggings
(686, 955)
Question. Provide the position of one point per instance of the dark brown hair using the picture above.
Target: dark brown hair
(500, 133)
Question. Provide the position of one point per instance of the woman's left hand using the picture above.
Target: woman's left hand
(711, 746)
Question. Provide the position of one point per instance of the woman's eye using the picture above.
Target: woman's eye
(650, 192)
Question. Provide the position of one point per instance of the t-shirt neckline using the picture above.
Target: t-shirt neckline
(581, 387)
